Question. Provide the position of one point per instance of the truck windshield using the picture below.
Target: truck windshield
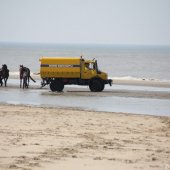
(90, 66)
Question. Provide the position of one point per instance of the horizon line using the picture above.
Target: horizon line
(80, 43)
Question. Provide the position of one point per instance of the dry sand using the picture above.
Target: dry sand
(34, 138)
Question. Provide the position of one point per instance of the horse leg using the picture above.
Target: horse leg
(23, 83)
(26, 82)
(1, 81)
(20, 82)
(28, 78)
(5, 81)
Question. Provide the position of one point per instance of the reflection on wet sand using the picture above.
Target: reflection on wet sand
(120, 98)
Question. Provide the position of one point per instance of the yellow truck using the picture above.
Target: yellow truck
(58, 71)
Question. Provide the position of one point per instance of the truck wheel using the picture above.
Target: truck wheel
(103, 86)
(96, 85)
(57, 85)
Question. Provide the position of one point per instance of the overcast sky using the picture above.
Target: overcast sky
(145, 22)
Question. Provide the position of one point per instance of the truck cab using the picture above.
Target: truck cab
(97, 79)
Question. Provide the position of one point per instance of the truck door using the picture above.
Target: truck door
(88, 71)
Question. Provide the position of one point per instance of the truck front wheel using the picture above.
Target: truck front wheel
(57, 85)
(96, 85)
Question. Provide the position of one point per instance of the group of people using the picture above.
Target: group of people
(24, 74)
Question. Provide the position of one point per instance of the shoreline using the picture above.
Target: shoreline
(116, 80)
(41, 138)
(149, 83)
(81, 110)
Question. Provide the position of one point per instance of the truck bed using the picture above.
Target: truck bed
(58, 67)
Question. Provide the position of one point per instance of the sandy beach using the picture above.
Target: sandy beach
(41, 138)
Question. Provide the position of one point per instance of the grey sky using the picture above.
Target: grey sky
(86, 21)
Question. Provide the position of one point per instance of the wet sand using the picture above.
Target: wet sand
(150, 99)
(115, 90)
(41, 138)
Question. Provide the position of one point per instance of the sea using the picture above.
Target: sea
(127, 62)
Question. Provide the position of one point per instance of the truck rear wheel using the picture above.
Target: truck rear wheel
(96, 85)
(57, 85)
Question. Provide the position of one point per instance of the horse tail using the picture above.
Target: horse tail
(32, 79)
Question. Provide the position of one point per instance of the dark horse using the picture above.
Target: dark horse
(25, 76)
(4, 74)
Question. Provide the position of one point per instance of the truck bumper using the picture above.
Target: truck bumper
(109, 81)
